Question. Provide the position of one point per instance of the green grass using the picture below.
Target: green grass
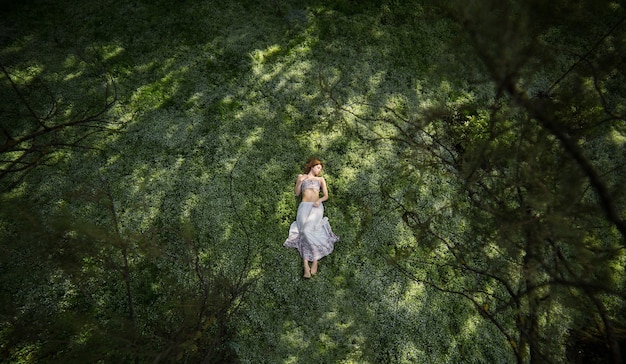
(219, 104)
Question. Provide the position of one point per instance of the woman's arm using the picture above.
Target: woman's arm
(298, 187)
(324, 193)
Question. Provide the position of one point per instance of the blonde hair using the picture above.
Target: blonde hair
(312, 162)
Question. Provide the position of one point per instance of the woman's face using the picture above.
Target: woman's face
(316, 169)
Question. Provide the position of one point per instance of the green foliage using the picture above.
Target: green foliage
(469, 231)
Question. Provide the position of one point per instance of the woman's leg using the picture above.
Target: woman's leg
(301, 219)
(307, 269)
(314, 267)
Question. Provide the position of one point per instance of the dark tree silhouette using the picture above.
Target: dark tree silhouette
(35, 123)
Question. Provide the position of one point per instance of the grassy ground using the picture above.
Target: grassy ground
(219, 105)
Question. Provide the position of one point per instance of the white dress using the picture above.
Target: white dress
(311, 233)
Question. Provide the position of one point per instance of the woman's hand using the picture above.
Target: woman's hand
(316, 203)
(296, 187)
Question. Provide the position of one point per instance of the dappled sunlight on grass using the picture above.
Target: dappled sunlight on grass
(185, 200)
(294, 338)
(157, 93)
(28, 74)
(259, 57)
(618, 137)
(111, 51)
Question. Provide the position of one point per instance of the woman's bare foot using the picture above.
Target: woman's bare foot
(314, 268)
(307, 270)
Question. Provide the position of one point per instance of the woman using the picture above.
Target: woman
(311, 233)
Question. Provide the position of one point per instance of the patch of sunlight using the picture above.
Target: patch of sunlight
(295, 78)
(204, 256)
(354, 107)
(377, 79)
(83, 336)
(303, 49)
(228, 233)
(267, 74)
(492, 251)
(445, 86)
(356, 354)
(326, 342)
(589, 83)
(189, 204)
(18, 45)
(113, 159)
(179, 162)
(71, 61)
(28, 74)
(66, 289)
(29, 353)
(471, 325)
(385, 130)
(206, 176)
(418, 87)
(168, 63)
(618, 138)
(464, 225)
(341, 326)
(195, 99)
(254, 136)
(409, 352)
(617, 266)
(319, 139)
(157, 93)
(414, 293)
(293, 337)
(146, 67)
(292, 360)
(558, 314)
(331, 315)
(396, 102)
(17, 191)
(111, 51)
(259, 56)
(426, 103)
(255, 272)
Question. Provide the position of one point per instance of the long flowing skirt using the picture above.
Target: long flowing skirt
(311, 233)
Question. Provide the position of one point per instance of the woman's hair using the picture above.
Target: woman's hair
(312, 162)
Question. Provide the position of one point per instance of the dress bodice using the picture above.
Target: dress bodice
(310, 183)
